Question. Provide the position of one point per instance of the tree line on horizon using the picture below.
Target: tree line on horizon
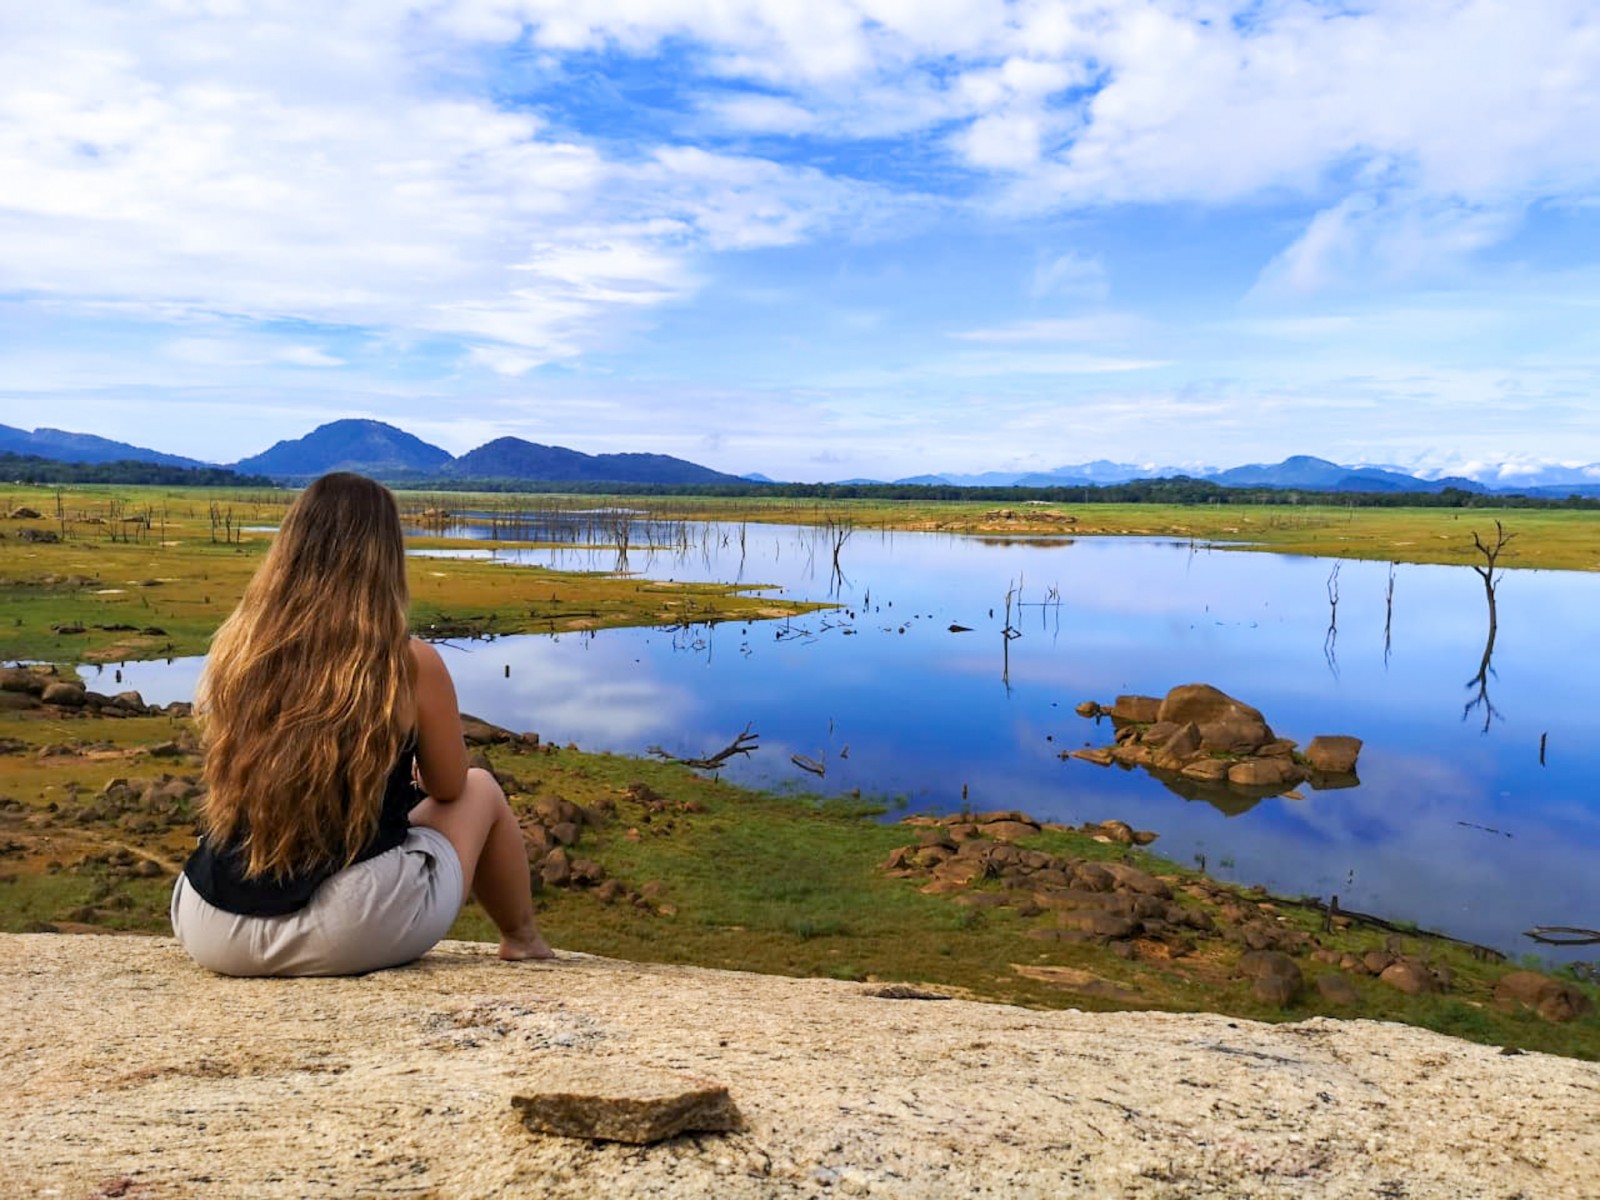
(1180, 489)
(32, 468)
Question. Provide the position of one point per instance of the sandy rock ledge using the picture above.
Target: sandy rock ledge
(126, 1071)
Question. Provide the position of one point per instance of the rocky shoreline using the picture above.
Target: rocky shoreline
(981, 862)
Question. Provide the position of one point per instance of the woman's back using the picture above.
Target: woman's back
(341, 830)
(308, 696)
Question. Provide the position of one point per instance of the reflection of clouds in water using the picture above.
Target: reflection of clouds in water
(159, 681)
(582, 690)
(1400, 795)
(1424, 842)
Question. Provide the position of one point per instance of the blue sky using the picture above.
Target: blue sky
(821, 240)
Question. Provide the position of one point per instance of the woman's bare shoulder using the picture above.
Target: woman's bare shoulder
(425, 656)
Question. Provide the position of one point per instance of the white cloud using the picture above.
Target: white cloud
(270, 166)
(1366, 238)
(1478, 106)
(761, 113)
(246, 350)
(1070, 274)
(1004, 141)
(288, 161)
(1099, 327)
(308, 356)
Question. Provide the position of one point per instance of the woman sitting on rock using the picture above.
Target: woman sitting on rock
(342, 829)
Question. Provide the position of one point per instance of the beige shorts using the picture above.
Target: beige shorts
(379, 913)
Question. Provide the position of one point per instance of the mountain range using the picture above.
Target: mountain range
(62, 446)
(1298, 471)
(381, 450)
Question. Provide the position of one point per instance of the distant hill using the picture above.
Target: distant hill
(384, 452)
(370, 447)
(1299, 471)
(1318, 474)
(61, 446)
(1561, 491)
(32, 468)
(513, 458)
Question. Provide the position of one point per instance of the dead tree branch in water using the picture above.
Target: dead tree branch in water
(1491, 556)
(816, 766)
(745, 743)
(1013, 596)
(1564, 935)
(838, 534)
(1491, 581)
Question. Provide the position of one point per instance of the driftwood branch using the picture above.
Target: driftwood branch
(1564, 935)
(1333, 908)
(815, 765)
(745, 743)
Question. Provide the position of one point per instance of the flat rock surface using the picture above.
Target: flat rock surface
(127, 1071)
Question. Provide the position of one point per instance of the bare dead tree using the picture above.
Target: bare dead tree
(1009, 633)
(1491, 576)
(838, 534)
(745, 743)
(1487, 572)
(621, 528)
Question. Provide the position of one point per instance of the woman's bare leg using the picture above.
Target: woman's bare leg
(480, 825)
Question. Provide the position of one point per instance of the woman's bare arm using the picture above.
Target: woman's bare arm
(441, 752)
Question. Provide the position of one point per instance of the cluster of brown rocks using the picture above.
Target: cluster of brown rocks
(552, 826)
(1105, 902)
(1552, 999)
(1203, 735)
(144, 806)
(551, 832)
(1139, 915)
(1278, 979)
(44, 687)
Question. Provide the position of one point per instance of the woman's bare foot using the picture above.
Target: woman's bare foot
(524, 946)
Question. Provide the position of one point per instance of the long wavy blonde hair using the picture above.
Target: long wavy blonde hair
(308, 695)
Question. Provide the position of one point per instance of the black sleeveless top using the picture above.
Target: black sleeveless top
(217, 873)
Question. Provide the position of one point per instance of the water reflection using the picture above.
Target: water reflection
(1330, 640)
(895, 704)
(1236, 799)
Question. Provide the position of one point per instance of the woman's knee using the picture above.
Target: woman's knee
(483, 779)
(486, 790)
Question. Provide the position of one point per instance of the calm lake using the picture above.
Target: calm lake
(1456, 824)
